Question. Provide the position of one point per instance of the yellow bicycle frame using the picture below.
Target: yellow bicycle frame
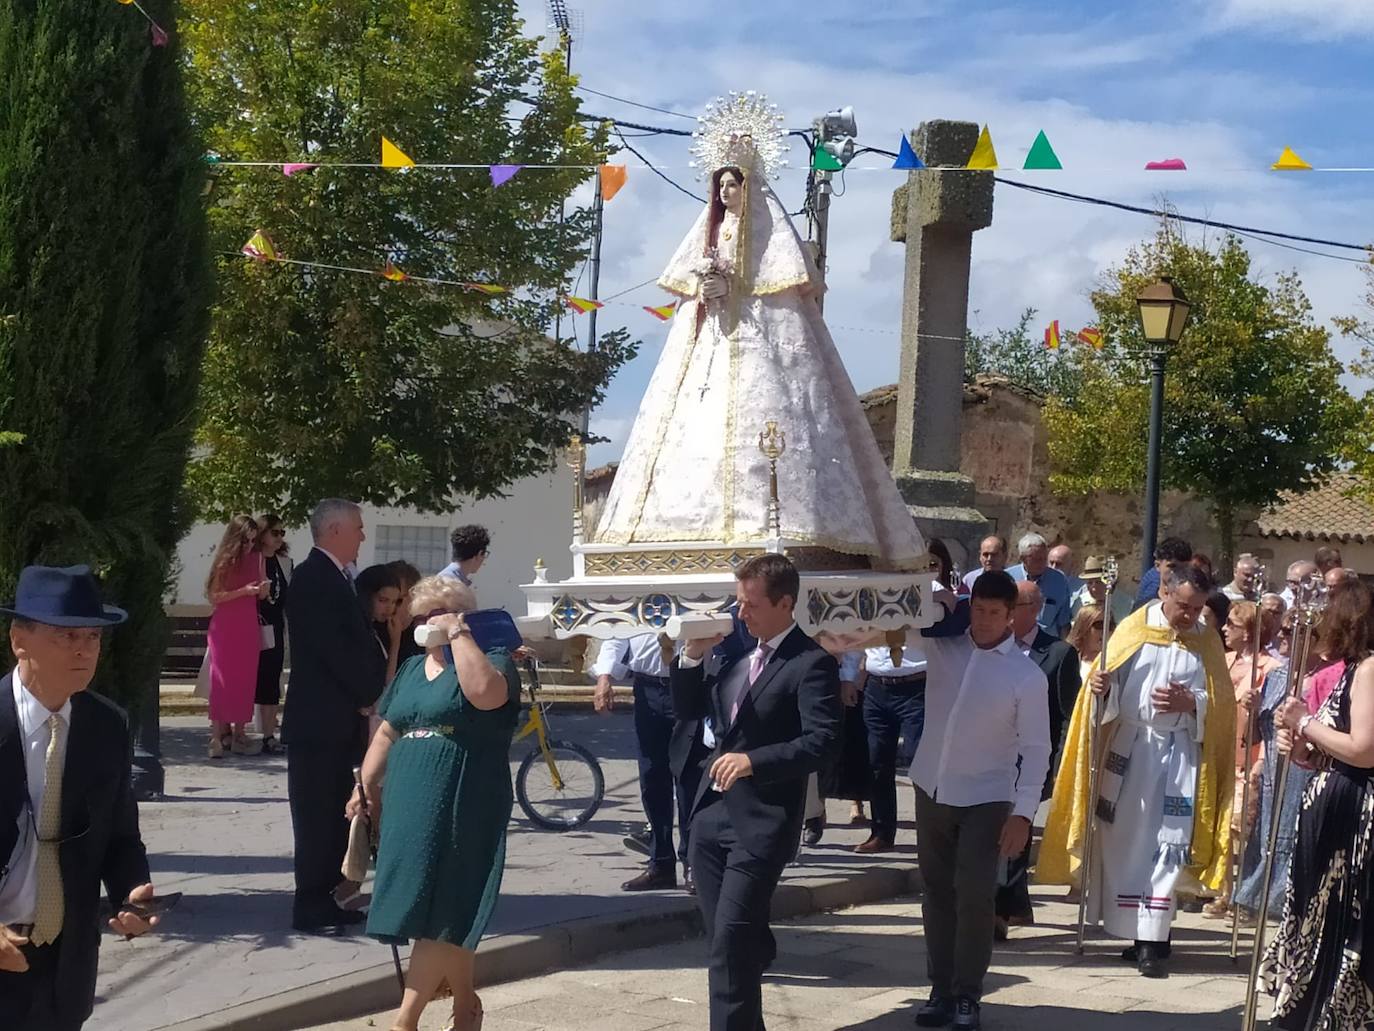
(534, 724)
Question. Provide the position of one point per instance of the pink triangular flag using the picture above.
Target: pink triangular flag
(502, 174)
(292, 167)
(1167, 165)
(159, 34)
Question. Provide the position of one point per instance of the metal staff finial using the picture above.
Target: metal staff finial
(1085, 869)
(773, 444)
(576, 458)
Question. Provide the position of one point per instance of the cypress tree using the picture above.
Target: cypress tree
(104, 282)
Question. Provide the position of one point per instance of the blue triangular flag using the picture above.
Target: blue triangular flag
(906, 157)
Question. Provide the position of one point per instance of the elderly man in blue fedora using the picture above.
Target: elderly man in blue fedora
(68, 822)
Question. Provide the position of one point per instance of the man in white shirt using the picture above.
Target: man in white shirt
(1298, 572)
(894, 706)
(1242, 585)
(992, 555)
(986, 704)
(640, 660)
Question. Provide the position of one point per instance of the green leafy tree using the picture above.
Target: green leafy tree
(1025, 360)
(1359, 449)
(1253, 400)
(104, 283)
(332, 383)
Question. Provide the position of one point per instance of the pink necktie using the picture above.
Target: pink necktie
(756, 663)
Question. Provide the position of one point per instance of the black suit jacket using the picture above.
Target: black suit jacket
(336, 666)
(100, 839)
(686, 737)
(788, 725)
(1058, 660)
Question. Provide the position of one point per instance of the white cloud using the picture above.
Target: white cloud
(1312, 18)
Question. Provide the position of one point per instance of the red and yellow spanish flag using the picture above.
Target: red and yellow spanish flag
(1092, 336)
(582, 305)
(490, 289)
(391, 272)
(663, 313)
(259, 247)
(1052, 335)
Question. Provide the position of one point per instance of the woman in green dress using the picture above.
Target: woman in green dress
(442, 752)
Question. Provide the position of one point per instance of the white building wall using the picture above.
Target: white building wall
(533, 521)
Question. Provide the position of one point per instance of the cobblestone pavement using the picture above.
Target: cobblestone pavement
(223, 837)
(862, 969)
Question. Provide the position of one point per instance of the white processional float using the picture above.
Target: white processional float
(750, 439)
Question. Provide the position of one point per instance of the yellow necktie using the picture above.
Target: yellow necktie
(51, 905)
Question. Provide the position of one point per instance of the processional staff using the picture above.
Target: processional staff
(1308, 602)
(1109, 573)
(1238, 843)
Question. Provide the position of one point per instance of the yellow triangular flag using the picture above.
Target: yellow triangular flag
(1290, 162)
(984, 156)
(393, 156)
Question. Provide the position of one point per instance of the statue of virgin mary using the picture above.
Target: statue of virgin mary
(748, 346)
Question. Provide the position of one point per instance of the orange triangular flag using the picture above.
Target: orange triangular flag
(1290, 162)
(582, 305)
(394, 157)
(391, 272)
(664, 313)
(612, 179)
(490, 289)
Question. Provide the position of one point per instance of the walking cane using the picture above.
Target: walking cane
(1309, 600)
(372, 832)
(1094, 736)
(1238, 851)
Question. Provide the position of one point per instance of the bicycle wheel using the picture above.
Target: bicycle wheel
(572, 805)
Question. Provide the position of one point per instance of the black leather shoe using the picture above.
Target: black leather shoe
(1149, 962)
(652, 879)
(937, 1012)
(814, 829)
(999, 930)
(967, 1015)
(336, 922)
(689, 883)
(1130, 954)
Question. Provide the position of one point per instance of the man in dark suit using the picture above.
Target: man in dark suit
(1058, 660)
(337, 671)
(68, 822)
(775, 718)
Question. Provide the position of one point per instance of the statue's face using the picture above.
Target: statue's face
(731, 192)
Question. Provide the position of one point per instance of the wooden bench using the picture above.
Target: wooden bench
(186, 650)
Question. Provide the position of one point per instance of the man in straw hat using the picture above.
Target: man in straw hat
(68, 823)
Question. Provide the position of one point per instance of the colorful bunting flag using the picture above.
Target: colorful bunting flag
(502, 174)
(664, 313)
(490, 289)
(1042, 156)
(292, 167)
(394, 157)
(1290, 162)
(1092, 336)
(391, 272)
(613, 177)
(824, 161)
(984, 155)
(159, 34)
(259, 247)
(1052, 335)
(582, 305)
(1167, 165)
(907, 157)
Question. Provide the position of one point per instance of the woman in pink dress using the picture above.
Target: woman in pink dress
(237, 579)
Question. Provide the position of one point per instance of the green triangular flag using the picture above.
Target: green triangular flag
(824, 161)
(1042, 155)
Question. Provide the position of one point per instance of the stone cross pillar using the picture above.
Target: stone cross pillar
(936, 214)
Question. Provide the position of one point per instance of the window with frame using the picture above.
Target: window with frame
(424, 547)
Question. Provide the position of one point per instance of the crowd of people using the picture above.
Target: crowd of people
(1191, 700)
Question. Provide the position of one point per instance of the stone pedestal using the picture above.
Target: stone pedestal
(936, 214)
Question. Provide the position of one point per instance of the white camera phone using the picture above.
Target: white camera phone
(428, 637)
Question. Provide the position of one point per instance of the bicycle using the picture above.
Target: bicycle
(559, 784)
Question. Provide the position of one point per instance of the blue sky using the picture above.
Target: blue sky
(1224, 84)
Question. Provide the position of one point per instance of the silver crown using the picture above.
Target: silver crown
(741, 129)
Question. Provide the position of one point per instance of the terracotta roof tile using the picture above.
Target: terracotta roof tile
(1324, 513)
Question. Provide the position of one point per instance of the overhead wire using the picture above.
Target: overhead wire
(635, 103)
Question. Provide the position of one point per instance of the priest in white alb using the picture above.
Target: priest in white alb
(1163, 804)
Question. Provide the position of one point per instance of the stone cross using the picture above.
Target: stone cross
(936, 214)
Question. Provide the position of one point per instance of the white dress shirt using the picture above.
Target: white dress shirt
(984, 707)
(878, 661)
(19, 890)
(621, 660)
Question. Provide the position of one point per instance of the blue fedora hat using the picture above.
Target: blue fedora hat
(67, 596)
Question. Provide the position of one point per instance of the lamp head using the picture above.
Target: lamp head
(1163, 312)
(837, 123)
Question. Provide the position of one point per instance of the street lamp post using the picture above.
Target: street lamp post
(1163, 316)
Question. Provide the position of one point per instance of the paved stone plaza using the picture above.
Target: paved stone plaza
(860, 970)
